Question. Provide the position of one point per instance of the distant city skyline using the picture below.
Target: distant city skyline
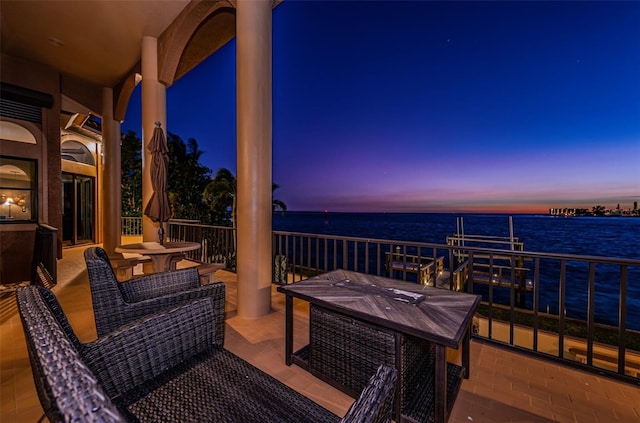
(492, 107)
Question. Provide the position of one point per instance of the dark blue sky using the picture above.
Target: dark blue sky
(436, 106)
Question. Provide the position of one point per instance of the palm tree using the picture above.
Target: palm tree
(277, 204)
(221, 195)
(187, 178)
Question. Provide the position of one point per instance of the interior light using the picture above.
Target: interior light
(9, 202)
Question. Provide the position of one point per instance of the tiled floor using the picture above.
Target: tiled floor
(503, 387)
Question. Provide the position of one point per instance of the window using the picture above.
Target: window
(76, 152)
(18, 190)
(13, 132)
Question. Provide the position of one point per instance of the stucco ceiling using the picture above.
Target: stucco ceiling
(98, 41)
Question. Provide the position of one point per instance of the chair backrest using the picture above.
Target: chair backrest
(106, 296)
(67, 389)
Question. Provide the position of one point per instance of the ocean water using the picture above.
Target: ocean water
(616, 237)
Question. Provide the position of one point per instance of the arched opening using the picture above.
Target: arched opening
(75, 151)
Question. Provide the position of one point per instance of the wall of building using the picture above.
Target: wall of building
(17, 239)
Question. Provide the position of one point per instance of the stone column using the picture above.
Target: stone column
(111, 203)
(253, 61)
(154, 109)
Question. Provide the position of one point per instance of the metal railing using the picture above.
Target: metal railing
(571, 308)
(217, 242)
(131, 226)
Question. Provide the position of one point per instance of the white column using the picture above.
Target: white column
(253, 61)
(111, 203)
(154, 109)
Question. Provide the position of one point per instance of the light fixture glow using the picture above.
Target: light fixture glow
(9, 202)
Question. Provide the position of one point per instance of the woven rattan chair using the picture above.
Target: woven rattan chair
(118, 303)
(166, 368)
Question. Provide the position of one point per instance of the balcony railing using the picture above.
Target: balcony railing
(570, 308)
(217, 242)
(131, 226)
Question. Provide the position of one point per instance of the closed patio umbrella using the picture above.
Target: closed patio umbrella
(158, 208)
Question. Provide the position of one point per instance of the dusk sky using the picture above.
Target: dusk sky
(436, 106)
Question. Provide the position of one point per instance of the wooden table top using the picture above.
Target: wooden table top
(438, 315)
(152, 247)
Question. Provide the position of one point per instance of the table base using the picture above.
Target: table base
(345, 353)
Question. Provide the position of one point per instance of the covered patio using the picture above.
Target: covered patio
(77, 58)
(503, 386)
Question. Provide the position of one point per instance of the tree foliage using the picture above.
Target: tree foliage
(192, 192)
(221, 193)
(275, 203)
(187, 179)
(131, 174)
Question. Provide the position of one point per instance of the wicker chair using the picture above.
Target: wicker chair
(166, 368)
(118, 303)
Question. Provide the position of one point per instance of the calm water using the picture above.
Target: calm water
(593, 236)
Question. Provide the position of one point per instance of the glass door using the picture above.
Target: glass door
(84, 204)
(78, 216)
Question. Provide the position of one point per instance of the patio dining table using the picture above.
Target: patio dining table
(357, 320)
(160, 254)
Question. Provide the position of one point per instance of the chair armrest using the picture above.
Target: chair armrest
(158, 284)
(141, 350)
(375, 403)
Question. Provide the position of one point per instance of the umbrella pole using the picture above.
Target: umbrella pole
(161, 234)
